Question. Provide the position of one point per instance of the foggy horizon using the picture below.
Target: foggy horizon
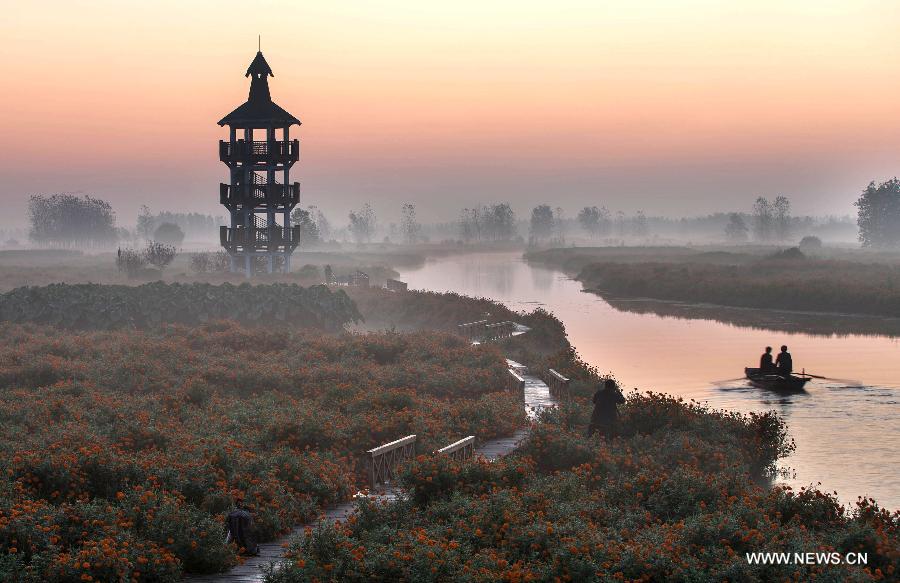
(676, 112)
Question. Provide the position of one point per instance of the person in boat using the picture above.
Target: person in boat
(784, 362)
(606, 402)
(766, 366)
(239, 529)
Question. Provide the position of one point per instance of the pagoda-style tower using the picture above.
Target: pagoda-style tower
(258, 150)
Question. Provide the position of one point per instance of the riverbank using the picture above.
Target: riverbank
(787, 280)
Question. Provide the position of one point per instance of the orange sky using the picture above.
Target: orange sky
(674, 107)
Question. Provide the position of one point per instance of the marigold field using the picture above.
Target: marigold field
(673, 498)
(122, 451)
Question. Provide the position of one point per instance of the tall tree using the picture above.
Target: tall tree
(309, 231)
(500, 222)
(542, 222)
(781, 217)
(146, 223)
(409, 226)
(640, 226)
(762, 219)
(362, 224)
(736, 230)
(595, 221)
(323, 225)
(878, 215)
(70, 220)
(559, 230)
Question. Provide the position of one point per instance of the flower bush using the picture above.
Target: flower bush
(121, 452)
(114, 307)
(676, 496)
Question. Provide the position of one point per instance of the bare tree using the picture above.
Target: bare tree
(409, 227)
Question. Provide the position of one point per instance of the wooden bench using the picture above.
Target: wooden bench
(460, 450)
(385, 459)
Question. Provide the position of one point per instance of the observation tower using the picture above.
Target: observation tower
(258, 152)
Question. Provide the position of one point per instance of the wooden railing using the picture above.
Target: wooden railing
(460, 450)
(499, 330)
(269, 195)
(384, 460)
(278, 151)
(472, 330)
(515, 383)
(559, 385)
(266, 237)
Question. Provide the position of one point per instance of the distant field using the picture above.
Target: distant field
(43, 266)
(838, 281)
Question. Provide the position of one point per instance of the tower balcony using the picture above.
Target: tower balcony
(262, 239)
(259, 152)
(279, 197)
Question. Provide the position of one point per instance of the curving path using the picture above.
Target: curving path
(537, 397)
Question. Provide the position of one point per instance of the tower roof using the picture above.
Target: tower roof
(259, 110)
(259, 66)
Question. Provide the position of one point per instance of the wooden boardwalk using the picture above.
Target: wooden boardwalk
(537, 396)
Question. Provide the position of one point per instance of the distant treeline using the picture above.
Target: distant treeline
(193, 225)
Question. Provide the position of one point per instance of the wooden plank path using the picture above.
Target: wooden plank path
(537, 396)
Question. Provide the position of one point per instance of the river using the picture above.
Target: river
(847, 433)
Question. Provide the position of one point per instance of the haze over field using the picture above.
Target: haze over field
(674, 108)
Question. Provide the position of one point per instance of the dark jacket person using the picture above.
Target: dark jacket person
(784, 362)
(606, 402)
(765, 361)
(239, 525)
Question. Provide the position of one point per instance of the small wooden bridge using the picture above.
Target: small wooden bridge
(384, 460)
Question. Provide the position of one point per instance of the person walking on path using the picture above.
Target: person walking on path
(606, 401)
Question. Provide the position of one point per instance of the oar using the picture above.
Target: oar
(728, 380)
(824, 378)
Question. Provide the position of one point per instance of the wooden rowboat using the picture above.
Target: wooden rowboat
(774, 382)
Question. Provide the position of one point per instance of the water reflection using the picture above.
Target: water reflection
(847, 434)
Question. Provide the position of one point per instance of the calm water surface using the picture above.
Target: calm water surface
(847, 432)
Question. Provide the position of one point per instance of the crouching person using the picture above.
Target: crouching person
(239, 529)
